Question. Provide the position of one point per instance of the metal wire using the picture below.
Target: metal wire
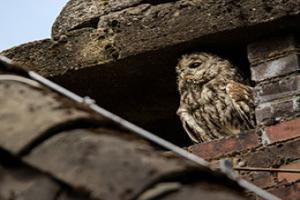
(141, 132)
(261, 169)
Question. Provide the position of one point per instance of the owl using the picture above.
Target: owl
(215, 102)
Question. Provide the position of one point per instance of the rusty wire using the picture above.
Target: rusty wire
(261, 169)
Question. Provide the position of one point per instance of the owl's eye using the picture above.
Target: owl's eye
(194, 65)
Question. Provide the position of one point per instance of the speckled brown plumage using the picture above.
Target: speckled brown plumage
(214, 100)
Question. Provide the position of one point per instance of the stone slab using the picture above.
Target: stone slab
(28, 112)
(84, 13)
(102, 163)
(204, 191)
(22, 183)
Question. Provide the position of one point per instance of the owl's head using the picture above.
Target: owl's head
(199, 68)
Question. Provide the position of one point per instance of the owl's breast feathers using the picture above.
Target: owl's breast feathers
(216, 109)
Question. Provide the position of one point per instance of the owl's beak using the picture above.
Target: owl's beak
(189, 78)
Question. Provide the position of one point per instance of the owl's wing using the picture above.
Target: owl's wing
(243, 101)
(192, 128)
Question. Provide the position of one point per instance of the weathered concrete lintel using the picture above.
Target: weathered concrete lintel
(84, 12)
(64, 54)
(89, 46)
(77, 14)
(145, 28)
(237, 13)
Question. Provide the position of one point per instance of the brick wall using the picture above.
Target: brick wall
(276, 141)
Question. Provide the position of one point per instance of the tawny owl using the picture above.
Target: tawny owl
(215, 102)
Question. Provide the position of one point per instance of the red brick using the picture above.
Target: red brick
(282, 88)
(284, 131)
(225, 146)
(274, 68)
(270, 112)
(270, 48)
(273, 156)
(290, 177)
(287, 192)
(248, 140)
(261, 179)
